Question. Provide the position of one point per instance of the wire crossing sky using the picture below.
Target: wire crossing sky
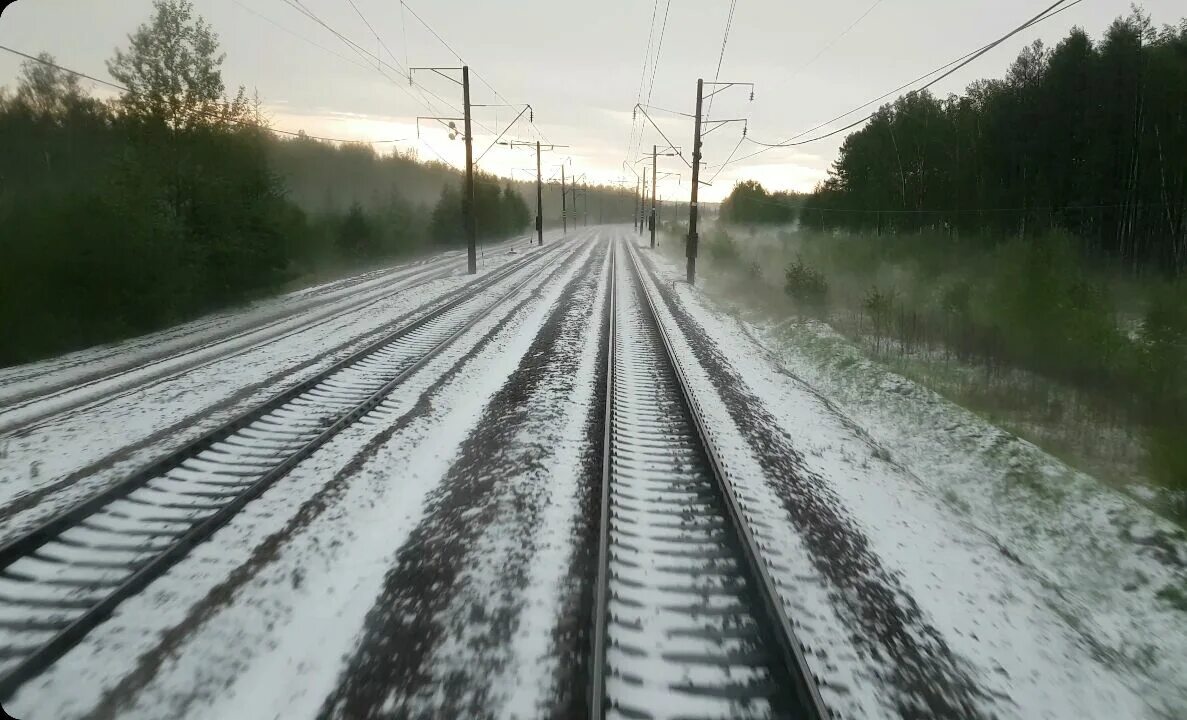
(337, 68)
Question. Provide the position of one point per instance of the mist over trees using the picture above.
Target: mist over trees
(1089, 137)
(1036, 223)
(750, 202)
(174, 199)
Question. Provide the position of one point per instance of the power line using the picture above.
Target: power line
(659, 50)
(729, 22)
(727, 160)
(460, 59)
(630, 143)
(950, 68)
(835, 39)
(299, 36)
(196, 111)
(300, 7)
(647, 52)
(404, 32)
(434, 32)
(359, 49)
(372, 29)
(420, 88)
(655, 66)
(356, 47)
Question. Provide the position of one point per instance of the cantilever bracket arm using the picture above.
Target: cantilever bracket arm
(437, 70)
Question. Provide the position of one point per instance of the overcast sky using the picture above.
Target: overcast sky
(580, 65)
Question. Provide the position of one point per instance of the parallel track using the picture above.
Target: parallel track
(60, 580)
(410, 280)
(687, 622)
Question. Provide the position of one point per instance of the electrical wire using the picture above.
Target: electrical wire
(661, 109)
(372, 29)
(420, 89)
(659, 50)
(380, 62)
(665, 137)
(204, 113)
(299, 36)
(630, 142)
(654, 67)
(950, 68)
(727, 160)
(359, 49)
(729, 22)
(835, 39)
(453, 52)
(404, 32)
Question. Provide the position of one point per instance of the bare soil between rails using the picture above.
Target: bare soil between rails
(498, 476)
(148, 665)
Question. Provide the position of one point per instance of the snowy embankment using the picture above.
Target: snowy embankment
(235, 328)
(1045, 592)
(263, 619)
(61, 447)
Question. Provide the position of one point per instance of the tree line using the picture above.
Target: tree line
(174, 198)
(1089, 137)
(1037, 222)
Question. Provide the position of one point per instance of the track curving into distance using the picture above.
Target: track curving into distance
(687, 623)
(65, 576)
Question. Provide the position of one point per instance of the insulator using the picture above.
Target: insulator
(531, 115)
(752, 96)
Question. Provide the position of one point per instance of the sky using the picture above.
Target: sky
(581, 66)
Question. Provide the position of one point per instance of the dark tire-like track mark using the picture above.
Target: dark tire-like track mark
(498, 475)
(572, 638)
(121, 697)
(927, 680)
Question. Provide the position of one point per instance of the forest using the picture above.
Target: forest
(1033, 227)
(1087, 137)
(175, 198)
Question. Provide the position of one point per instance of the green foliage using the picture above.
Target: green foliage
(749, 202)
(1031, 304)
(722, 247)
(498, 212)
(172, 71)
(807, 285)
(1087, 137)
(124, 218)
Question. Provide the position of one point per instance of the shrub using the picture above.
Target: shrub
(723, 248)
(807, 285)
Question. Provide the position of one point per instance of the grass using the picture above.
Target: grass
(1085, 364)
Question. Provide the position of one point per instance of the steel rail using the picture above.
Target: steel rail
(45, 654)
(415, 279)
(803, 691)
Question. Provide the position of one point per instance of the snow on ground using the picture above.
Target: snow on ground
(66, 370)
(259, 621)
(544, 464)
(429, 556)
(55, 462)
(1044, 583)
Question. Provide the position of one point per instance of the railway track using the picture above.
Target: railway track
(65, 576)
(19, 413)
(687, 621)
